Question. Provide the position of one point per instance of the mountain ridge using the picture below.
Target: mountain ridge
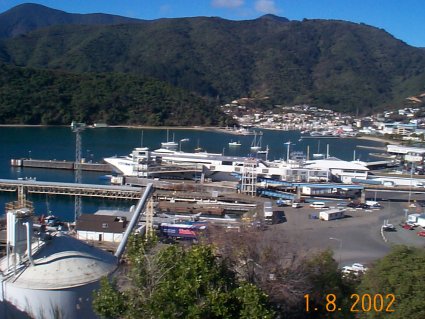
(28, 17)
(341, 65)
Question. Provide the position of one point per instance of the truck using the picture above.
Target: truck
(189, 231)
(276, 217)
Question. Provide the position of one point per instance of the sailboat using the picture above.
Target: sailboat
(170, 145)
(256, 143)
(198, 149)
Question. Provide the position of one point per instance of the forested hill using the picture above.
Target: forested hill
(30, 16)
(30, 96)
(335, 64)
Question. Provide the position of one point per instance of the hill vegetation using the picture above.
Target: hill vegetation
(340, 65)
(30, 96)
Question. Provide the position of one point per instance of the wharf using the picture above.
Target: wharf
(71, 189)
(378, 148)
(54, 164)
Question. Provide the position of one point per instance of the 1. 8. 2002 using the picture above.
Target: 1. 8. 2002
(359, 303)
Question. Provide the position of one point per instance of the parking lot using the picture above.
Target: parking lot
(355, 238)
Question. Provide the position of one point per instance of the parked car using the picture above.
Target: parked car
(296, 205)
(421, 233)
(354, 269)
(407, 226)
(359, 267)
(389, 227)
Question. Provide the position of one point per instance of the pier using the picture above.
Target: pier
(71, 189)
(66, 165)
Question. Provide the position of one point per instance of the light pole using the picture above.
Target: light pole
(340, 247)
(410, 188)
(29, 154)
(180, 143)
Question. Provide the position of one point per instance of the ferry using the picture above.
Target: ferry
(217, 167)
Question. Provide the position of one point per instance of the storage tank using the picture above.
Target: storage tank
(59, 279)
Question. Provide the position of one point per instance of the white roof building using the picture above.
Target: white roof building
(344, 171)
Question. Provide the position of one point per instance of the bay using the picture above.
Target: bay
(59, 143)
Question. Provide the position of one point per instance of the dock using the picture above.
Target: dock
(71, 189)
(55, 164)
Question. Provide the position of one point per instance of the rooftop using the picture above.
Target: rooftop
(63, 262)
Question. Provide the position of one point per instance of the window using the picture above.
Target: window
(105, 225)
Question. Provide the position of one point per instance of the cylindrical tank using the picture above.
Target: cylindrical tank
(59, 285)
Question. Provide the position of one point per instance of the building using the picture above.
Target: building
(101, 227)
(340, 171)
(410, 154)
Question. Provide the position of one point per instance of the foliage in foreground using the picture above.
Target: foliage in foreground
(401, 273)
(179, 282)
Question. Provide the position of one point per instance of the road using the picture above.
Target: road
(356, 238)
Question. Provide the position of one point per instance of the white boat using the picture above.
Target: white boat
(235, 143)
(170, 145)
(318, 156)
(256, 143)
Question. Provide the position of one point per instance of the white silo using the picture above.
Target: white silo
(54, 277)
(59, 278)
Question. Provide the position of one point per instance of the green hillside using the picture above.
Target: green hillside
(341, 65)
(29, 96)
(335, 64)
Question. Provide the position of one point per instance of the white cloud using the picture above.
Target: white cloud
(227, 3)
(266, 6)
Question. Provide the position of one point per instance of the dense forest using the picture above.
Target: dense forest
(340, 65)
(30, 96)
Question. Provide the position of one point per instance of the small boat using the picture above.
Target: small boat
(256, 143)
(318, 156)
(184, 140)
(170, 145)
(235, 143)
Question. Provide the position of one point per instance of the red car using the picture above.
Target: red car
(407, 226)
(421, 233)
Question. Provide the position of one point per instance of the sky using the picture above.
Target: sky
(404, 19)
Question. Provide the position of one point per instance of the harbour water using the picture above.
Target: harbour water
(59, 143)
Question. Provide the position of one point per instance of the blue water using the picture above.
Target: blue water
(59, 143)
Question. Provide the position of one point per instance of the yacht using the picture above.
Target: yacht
(171, 145)
(256, 143)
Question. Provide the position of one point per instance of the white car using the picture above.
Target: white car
(359, 267)
(355, 268)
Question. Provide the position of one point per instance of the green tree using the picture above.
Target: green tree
(401, 273)
(180, 282)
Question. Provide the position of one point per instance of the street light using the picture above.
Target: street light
(340, 247)
(29, 154)
(180, 143)
(410, 188)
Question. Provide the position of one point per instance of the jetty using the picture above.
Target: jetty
(65, 165)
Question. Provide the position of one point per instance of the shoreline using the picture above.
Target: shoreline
(199, 128)
(379, 139)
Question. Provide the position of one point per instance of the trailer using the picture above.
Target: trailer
(331, 214)
(182, 231)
